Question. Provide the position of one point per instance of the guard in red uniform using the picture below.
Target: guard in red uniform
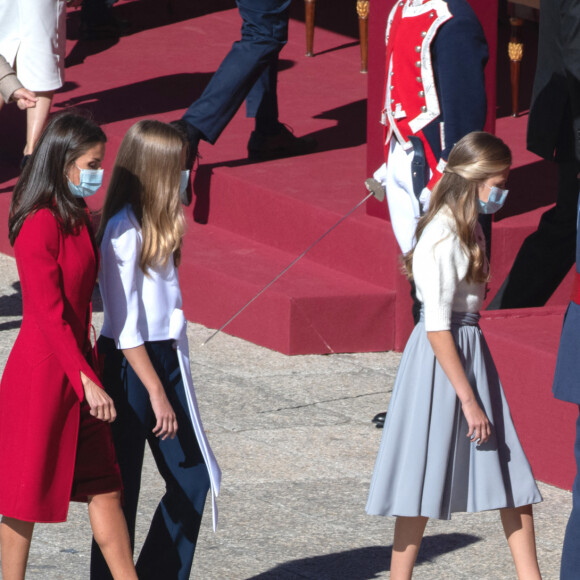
(434, 95)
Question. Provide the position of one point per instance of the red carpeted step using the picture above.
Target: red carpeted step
(310, 309)
(524, 345)
(261, 202)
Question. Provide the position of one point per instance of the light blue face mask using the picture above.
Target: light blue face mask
(91, 180)
(184, 181)
(495, 201)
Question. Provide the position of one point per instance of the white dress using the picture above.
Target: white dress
(33, 41)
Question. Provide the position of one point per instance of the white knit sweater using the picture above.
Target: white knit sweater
(439, 269)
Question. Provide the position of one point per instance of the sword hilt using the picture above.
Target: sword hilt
(375, 188)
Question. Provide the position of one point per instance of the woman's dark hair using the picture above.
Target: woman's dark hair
(44, 183)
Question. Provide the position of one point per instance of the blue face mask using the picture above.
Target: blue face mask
(91, 180)
(495, 201)
(184, 181)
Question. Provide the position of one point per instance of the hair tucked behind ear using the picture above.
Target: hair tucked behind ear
(473, 160)
(146, 175)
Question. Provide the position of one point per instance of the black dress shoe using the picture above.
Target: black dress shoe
(110, 27)
(182, 126)
(283, 144)
(379, 420)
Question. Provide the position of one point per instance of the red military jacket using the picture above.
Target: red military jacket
(434, 86)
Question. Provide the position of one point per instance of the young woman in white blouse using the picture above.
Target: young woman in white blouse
(449, 444)
(143, 346)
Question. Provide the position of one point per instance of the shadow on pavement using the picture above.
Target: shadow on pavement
(11, 306)
(363, 563)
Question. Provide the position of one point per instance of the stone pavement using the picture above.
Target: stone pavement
(296, 446)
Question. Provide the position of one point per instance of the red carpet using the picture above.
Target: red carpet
(250, 220)
(524, 345)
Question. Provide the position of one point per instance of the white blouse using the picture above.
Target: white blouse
(137, 307)
(439, 268)
(141, 308)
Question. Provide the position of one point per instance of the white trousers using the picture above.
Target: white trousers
(404, 210)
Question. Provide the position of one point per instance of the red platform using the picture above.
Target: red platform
(524, 343)
(250, 220)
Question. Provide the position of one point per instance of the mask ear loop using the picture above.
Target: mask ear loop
(66, 174)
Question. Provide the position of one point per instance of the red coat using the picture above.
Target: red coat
(41, 388)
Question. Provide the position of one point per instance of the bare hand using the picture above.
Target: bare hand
(166, 420)
(479, 427)
(24, 98)
(139, 360)
(101, 405)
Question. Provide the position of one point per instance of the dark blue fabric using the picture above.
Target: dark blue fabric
(249, 70)
(96, 12)
(170, 544)
(459, 78)
(570, 566)
(566, 386)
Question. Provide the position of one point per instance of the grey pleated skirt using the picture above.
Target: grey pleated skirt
(426, 465)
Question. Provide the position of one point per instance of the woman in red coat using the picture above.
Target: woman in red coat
(55, 443)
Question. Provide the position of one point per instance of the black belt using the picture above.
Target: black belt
(419, 168)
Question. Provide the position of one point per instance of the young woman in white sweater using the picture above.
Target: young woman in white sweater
(449, 443)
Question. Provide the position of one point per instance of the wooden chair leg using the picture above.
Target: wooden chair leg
(309, 11)
(362, 8)
(515, 53)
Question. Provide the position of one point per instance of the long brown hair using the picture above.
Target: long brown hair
(472, 161)
(146, 175)
(44, 183)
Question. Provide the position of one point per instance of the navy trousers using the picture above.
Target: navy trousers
(96, 12)
(570, 567)
(249, 71)
(170, 544)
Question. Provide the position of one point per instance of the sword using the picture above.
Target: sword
(375, 189)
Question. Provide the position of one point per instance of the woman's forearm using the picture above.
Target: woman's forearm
(140, 362)
(166, 421)
(445, 350)
(443, 345)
